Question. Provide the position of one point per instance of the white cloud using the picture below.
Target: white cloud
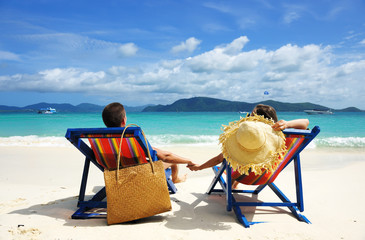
(362, 42)
(189, 45)
(290, 73)
(215, 27)
(4, 55)
(236, 45)
(117, 70)
(334, 11)
(67, 42)
(293, 12)
(128, 49)
(351, 68)
(54, 80)
(291, 16)
(247, 22)
(224, 8)
(291, 58)
(228, 58)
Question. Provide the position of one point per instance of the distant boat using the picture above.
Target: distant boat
(48, 110)
(316, 112)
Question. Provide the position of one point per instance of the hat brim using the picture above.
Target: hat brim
(243, 160)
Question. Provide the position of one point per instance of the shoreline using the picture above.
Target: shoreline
(40, 187)
(181, 140)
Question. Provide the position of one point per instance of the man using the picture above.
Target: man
(114, 115)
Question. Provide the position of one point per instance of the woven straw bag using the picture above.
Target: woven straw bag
(136, 192)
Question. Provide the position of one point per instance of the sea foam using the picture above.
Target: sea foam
(34, 141)
(175, 139)
(172, 139)
(341, 142)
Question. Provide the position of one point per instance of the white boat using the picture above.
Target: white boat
(48, 110)
(316, 112)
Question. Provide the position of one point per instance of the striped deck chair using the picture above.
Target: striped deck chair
(100, 147)
(296, 141)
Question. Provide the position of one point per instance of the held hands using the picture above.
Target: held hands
(194, 167)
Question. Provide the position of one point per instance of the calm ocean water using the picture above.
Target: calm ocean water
(341, 130)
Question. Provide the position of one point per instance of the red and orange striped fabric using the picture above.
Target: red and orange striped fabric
(106, 151)
(292, 144)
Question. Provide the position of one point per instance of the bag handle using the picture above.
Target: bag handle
(120, 149)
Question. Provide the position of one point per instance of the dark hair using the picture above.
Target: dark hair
(266, 111)
(113, 114)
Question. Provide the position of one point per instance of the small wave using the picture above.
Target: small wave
(335, 142)
(341, 142)
(171, 139)
(34, 141)
(155, 140)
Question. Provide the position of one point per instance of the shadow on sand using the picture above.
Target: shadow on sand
(207, 212)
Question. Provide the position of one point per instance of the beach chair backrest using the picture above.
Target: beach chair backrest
(106, 148)
(296, 141)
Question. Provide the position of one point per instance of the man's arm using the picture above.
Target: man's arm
(169, 157)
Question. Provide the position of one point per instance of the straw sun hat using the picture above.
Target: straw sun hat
(251, 144)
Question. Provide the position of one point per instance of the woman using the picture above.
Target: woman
(269, 113)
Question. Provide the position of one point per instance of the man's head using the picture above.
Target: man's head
(114, 115)
(266, 111)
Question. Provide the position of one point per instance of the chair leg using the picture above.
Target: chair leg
(232, 204)
(217, 178)
(259, 189)
(86, 206)
(241, 218)
(95, 202)
(283, 198)
(99, 196)
(170, 184)
(229, 193)
(298, 183)
(79, 214)
(85, 175)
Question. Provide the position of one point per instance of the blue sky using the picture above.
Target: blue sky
(156, 52)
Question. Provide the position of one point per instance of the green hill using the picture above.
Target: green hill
(196, 104)
(64, 107)
(200, 104)
(204, 104)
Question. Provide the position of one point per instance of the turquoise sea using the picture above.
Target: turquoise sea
(340, 130)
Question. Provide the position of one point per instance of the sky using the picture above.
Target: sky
(156, 52)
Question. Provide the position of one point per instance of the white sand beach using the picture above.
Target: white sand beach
(39, 188)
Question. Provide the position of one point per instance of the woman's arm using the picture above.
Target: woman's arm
(297, 123)
(210, 163)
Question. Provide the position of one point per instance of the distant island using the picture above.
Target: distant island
(65, 107)
(196, 104)
(205, 104)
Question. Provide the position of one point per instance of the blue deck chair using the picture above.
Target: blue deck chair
(100, 147)
(296, 141)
